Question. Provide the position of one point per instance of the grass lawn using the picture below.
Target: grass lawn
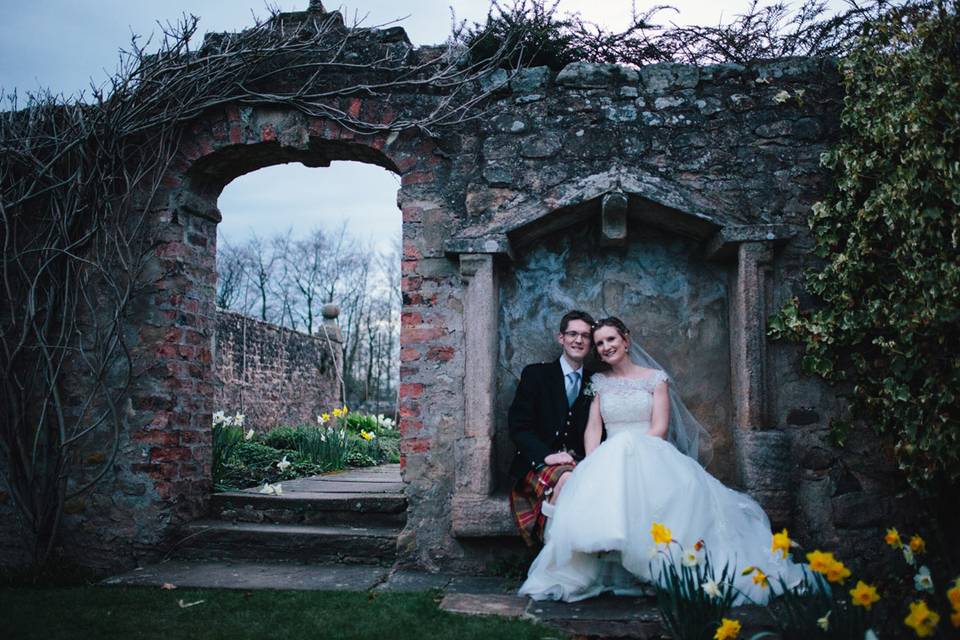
(53, 613)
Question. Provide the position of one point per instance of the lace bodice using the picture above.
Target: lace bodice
(626, 403)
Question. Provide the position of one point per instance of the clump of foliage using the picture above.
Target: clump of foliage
(888, 295)
(537, 34)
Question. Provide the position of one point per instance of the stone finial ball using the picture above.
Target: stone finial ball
(330, 311)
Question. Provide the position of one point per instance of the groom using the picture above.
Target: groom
(546, 421)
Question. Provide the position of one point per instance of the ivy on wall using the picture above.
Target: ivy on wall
(887, 318)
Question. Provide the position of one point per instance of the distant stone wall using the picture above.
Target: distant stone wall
(274, 376)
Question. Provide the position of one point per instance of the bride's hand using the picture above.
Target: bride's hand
(560, 457)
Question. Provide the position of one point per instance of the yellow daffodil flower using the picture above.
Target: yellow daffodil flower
(366, 435)
(837, 572)
(324, 418)
(660, 533)
(728, 629)
(781, 542)
(917, 544)
(337, 413)
(893, 538)
(953, 595)
(955, 619)
(864, 595)
(760, 578)
(820, 561)
(922, 620)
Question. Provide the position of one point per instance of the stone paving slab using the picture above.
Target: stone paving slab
(382, 479)
(504, 605)
(254, 575)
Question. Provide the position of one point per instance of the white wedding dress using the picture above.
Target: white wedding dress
(599, 539)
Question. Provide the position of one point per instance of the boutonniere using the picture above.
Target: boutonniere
(591, 390)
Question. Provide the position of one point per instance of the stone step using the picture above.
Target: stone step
(219, 540)
(312, 508)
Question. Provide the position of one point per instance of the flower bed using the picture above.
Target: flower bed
(244, 457)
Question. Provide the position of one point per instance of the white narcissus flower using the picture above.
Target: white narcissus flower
(691, 558)
(782, 96)
(238, 419)
(908, 555)
(923, 581)
(249, 436)
(711, 588)
(824, 622)
(272, 489)
(218, 417)
(284, 464)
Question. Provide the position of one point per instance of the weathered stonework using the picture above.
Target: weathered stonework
(674, 196)
(275, 376)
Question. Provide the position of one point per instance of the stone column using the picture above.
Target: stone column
(474, 511)
(763, 452)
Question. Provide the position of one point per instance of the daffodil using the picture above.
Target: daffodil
(218, 418)
(337, 413)
(782, 543)
(820, 561)
(238, 419)
(271, 489)
(711, 588)
(366, 435)
(323, 418)
(782, 96)
(917, 544)
(691, 558)
(955, 619)
(953, 595)
(760, 578)
(284, 464)
(864, 595)
(908, 555)
(922, 619)
(824, 622)
(923, 581)
(661, 534)
(728, 629)
(249, 436)
(837, 572)
(893, 538)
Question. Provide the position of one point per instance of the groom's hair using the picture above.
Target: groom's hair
(576, 314)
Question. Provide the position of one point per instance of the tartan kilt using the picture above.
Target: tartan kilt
(527, 496)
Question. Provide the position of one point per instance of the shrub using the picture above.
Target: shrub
(888, 297)
(283, 437)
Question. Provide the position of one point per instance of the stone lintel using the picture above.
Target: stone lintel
(724, 242)
(482, 516)
(613, 215)
(496, 244)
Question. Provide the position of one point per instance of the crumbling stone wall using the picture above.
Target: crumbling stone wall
(275, 376)
(674, 195)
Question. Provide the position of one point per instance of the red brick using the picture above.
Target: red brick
(412, 214)
(156, 471)
(173, 250)
(417, 177)
(413, 335)
(410, 318)
(410, 251)
(406, 371)
(440, 354)
(170, 454)
(415, 445)
(406, 162)
(159, 438)
(409, 426)
(411, 390)
(409, 409)
(408, 266)
(410, 283)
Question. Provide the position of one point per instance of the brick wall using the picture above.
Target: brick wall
(274, 376)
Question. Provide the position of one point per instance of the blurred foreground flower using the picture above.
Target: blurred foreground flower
(272, 489)
(922, 620)
(728, 629)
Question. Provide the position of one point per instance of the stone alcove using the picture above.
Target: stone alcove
(694, 290)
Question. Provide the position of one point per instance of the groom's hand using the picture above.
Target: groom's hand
(560, 457)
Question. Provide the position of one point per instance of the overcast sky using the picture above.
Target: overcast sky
(64, 45)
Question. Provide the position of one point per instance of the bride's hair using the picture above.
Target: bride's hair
(614, 322)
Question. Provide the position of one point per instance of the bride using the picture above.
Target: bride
(599, 536)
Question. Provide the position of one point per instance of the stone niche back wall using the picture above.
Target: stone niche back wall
(673, 301)
(273, 375)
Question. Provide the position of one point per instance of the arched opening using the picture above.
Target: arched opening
(305, 357)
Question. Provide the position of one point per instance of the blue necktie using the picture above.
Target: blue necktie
(573, 378)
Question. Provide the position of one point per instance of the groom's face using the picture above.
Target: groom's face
(575, 340)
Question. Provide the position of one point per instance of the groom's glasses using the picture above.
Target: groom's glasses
(573, 335)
